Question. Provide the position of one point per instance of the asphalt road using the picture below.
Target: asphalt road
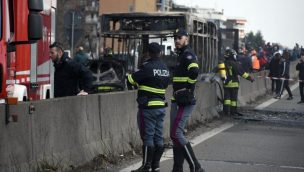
(284, 105)
(251, 147)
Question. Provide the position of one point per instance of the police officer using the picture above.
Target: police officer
(183, 102)
(232, 69)
(70, 76)
(152, 80)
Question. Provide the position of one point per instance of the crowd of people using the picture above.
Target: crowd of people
(277, 61)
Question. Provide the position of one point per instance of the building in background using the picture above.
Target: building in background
(164, 5)
(114, 6)
(124, 6)
(237, 23)
(77, 23)
(129, 6)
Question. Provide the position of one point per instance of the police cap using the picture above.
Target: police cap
(180, 32)
(154, 48)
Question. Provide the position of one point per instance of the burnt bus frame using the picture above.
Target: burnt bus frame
(125, 27)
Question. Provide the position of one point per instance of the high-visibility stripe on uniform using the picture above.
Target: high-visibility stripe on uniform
(233, 103)
(227, 102)
(245, 75)
(232, 85)
(184, 79)
(230, 71)
(105, 88)
(130, 79)
(191, 81)
(156, 103)
(180, 79)
(152, 90)
(191, 65)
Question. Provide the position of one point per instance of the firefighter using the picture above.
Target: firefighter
(229, 71)
(152, 80)
(183, 102)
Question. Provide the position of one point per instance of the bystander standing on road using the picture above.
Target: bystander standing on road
(274, 72)
(255, 61)
(300, 68)
(183, 102)
(152, 80)
(81, 57)
(69, 75)
(284, 75)
(244, 60)
(263, 60)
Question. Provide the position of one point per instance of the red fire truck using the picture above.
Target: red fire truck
(27, 28)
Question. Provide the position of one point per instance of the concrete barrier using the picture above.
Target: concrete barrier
(73, 130)
(249, 92)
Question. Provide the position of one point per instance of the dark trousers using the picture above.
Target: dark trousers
(301, 87)
(150, 124)
(278, 84)
(230, 100)
(285, 85)
(273, 85)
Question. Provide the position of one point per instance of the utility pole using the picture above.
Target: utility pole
(163, 5)
(72, 36)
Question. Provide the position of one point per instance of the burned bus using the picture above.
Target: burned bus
(127, 35)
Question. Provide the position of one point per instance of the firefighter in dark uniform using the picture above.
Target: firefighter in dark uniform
(152, 80)
(229, 70)
(183, 102)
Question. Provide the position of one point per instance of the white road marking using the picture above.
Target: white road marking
(273, 100)
(195, 141)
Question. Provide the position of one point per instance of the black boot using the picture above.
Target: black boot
(194, 165)
(158, 152)
(178, 159)
(226, 110)
(148, 152)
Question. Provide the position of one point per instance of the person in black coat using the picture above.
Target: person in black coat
(284, 75)
(245, 61)
(300, 68)
(70, 78)
(274, 72)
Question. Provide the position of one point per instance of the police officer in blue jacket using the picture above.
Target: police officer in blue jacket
(183, 102)
(152, 80)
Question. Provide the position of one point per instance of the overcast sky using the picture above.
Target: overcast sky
(279, 20)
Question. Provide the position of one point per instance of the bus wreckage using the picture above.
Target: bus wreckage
(127, 36)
